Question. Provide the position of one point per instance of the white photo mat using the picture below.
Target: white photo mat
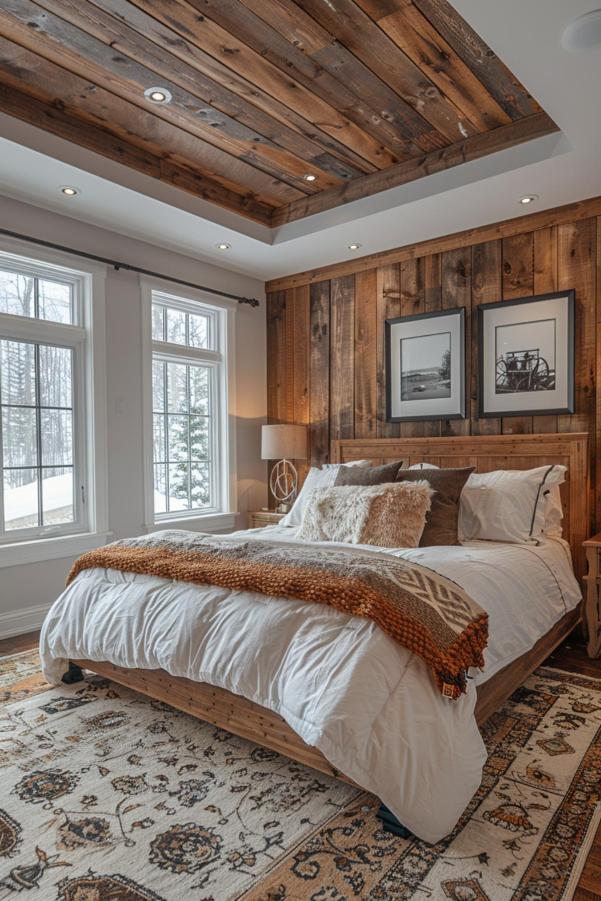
(422, 382)
(526, 357)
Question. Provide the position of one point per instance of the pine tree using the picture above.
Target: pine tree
(193, 429)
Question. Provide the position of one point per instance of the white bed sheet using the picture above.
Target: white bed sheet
(343, 685)
(524, 588)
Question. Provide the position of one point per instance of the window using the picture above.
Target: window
(46, 440)
(190, 476)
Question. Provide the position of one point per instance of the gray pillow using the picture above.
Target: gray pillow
(368, 475)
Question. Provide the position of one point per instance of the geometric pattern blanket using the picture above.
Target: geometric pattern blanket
(428, 614)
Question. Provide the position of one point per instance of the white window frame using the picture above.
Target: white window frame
(223, 514)
(87, 338)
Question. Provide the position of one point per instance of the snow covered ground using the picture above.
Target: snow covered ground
(21, 503)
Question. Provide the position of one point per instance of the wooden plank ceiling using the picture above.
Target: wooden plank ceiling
(359, 95)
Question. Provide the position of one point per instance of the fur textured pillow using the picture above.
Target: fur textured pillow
(316, 478)
(389, 515)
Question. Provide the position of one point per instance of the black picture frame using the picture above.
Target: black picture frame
(458, 312)
(569, 338)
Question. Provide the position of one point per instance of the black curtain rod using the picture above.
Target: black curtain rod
(251, 301)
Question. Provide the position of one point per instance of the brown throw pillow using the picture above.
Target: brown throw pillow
(368, 475)
(443, 519)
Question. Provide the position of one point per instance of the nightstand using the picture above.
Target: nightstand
(261, 518)
(592, 603)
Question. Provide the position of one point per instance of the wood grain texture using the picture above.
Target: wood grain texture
(554, 250)
(489, 452)
(51, 37)
(545, 282)
(240, 58)
(518, 281)
(456, 292)
(412, 304)
(255, 723)
(79, 103)
(359, 96)
(300, 329)
(462, 151)
(365, 354)
(334, 154)
(597, 451)
(366, 40)
(410, 30)
(577, 265)
(278, 374)
(388, 306)
(188, 73)
(569, 213)
(221, 708)
(468, 45)
(342, 357)
(319, 362)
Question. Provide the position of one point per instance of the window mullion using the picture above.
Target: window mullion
(179, 352)
(1, 470)
(23, 328)
(38, 427)
(189, 425)
(166, 435)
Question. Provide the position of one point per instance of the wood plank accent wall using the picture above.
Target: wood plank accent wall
(325, 338)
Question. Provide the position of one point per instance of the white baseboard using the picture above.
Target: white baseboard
(17, 622)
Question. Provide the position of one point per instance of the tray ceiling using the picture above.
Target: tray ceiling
(358, 95)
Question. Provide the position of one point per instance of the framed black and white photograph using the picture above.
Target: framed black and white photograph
(526, 356)
(425, 366)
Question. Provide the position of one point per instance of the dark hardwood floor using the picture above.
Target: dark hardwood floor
(19, 643)
(570, 656)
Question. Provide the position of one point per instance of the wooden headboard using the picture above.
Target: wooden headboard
(488, 452)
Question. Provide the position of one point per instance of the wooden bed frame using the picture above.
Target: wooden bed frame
(249, 720)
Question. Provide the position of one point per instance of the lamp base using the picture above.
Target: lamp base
(283, 483)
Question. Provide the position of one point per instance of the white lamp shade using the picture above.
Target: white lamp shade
(283, 442)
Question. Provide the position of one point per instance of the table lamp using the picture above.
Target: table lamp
(283, 443)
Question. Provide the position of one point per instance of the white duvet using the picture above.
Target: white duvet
(344, 686)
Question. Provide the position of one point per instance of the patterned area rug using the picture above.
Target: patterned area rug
(108, 796)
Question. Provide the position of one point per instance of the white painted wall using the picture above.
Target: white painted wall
(26, 591)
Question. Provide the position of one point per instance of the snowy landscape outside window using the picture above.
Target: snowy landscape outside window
(188, 363)
(42, 452)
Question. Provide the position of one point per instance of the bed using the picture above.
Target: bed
(316, 706)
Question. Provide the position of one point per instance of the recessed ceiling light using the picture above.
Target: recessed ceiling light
(158, 95)
(528, 198)
(310, 177)
(584, 32)
(354, 246)
(69, 190)
(223, 246)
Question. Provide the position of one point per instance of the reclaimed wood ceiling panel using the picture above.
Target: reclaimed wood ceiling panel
(364, 95)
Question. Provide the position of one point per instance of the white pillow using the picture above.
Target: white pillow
(507, 505)
(553, 513)
(316, 478)
(424, 466)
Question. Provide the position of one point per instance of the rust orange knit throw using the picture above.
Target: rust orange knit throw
(425, 612)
